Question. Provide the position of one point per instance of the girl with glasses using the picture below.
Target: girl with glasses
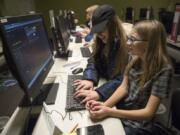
(145, 83)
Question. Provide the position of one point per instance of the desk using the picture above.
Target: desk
(46, 122)
(112, 126)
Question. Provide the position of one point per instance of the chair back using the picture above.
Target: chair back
(175, 109)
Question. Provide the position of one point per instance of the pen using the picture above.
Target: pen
(73, 129)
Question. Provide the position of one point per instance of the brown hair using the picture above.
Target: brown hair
(156, 54)
(115, 32)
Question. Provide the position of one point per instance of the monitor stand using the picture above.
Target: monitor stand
(51, 97)
(47, 93)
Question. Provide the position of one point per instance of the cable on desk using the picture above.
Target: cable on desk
(81, 113)
(70, 116)
(63, 117)
(69, 113)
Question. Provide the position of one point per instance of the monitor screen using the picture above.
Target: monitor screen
(143, 13)
(63, 32)
(70, 20)
(27, 50)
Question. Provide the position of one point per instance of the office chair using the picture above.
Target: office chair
(175, 109)
(175, 117)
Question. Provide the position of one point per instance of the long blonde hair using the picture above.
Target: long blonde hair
(91, 9)
(115, 32)
(156, 54)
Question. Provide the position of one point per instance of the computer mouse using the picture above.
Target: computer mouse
(86, 45)
(77, 70)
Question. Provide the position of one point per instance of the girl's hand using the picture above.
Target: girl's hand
(99, 112)
(92, 103)
(83, 84)
(87, 95)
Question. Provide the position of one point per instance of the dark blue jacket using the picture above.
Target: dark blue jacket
(99, 67)
(88, 37)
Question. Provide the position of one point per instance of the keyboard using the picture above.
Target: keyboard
(85, 52)
(73, 104)
(78, 39)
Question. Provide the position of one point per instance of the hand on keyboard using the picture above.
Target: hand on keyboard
(72, 103)
(83, 84)
(87, 95)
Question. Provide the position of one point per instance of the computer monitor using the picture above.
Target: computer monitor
(143, 14)
(70, 20)
(51, 17)
(27, 51)
(62, 34)
(166, 17)
(129, 16)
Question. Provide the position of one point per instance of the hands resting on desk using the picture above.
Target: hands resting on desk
(97, 110)
(85, 88)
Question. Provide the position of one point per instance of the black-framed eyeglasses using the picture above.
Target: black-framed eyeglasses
(131, 40)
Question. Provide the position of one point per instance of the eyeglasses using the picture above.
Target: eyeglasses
(131, 40)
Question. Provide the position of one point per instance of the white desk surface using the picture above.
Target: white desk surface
(46, 122)
(111, 126)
